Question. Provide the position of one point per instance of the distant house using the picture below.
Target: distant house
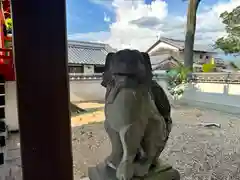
(169, 51)
(167, 62)
(87, 57)
(175, 48)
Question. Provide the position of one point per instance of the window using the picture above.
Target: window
(201, 56)
(75, 69)
(98, 69)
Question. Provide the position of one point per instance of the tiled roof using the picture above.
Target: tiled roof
(81, 52)
(159, 58)
(180, 45)
(162, 61)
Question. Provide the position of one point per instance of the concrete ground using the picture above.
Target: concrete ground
(198, 152)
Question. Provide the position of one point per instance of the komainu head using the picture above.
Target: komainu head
(127, 63)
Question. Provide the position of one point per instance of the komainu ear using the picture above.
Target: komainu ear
(108, 60)
(107, 75)
(147, 60)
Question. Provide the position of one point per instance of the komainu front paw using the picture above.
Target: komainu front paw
(125, 171)
(141, 170)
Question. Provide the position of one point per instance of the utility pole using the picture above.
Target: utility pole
(190, 33)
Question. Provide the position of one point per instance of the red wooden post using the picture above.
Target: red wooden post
(40, 51)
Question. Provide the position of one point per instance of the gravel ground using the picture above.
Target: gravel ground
(198, 152)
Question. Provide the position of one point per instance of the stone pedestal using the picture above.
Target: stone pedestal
(161, 172)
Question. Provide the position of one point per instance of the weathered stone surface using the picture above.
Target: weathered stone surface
(163, 172)
(101, 172)
(160, 172)
(138, 127)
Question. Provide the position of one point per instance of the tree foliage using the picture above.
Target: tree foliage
(8, 23)
(231, 42)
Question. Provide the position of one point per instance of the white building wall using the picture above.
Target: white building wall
(164, 48)
(222, 97)
(11, 111)
(162, 45)
(198, 57)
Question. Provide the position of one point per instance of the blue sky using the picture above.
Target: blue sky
(120, 26)
(85, 16)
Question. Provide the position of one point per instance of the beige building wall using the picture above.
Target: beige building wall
(163, 48)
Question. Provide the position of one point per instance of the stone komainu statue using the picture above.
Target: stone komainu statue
(137, 114)
(160, 98)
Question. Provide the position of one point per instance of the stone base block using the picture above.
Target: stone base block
(160, 172)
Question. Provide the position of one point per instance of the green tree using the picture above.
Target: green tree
(190, 33)
(230, 43)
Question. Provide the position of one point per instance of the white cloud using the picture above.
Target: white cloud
(101, 36)
(139, 25)
(106, 3)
